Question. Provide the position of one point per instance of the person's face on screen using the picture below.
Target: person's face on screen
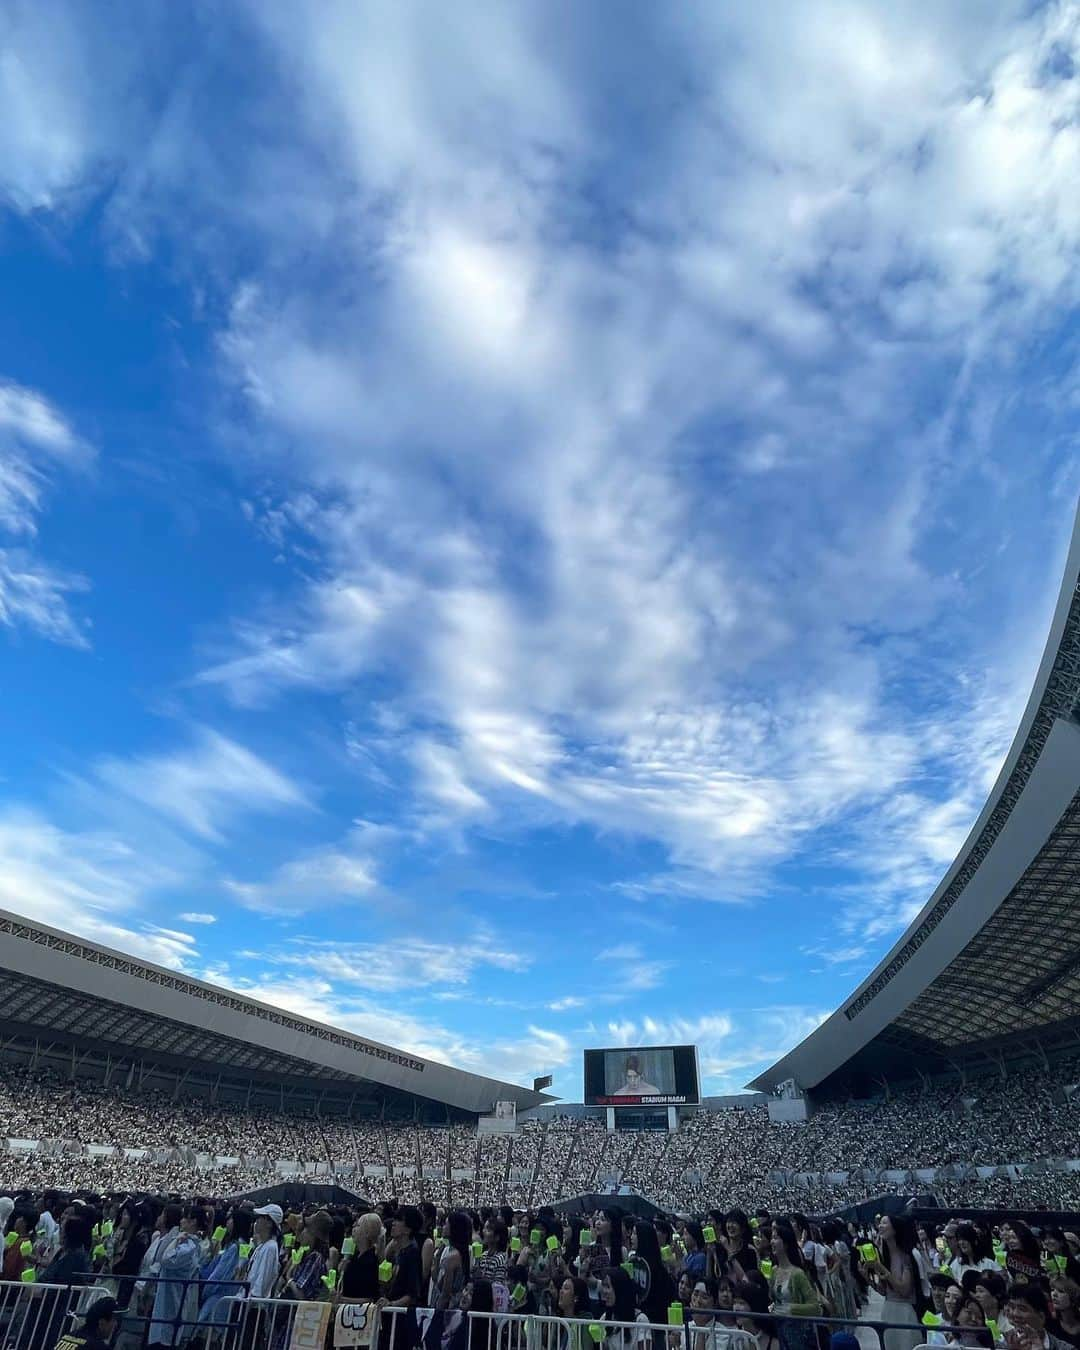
(633, 1078)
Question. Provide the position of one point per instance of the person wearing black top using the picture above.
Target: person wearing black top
(736, 1241)
(405, 1283)
(98, 1328)
(360, 1271)
(660, 1292)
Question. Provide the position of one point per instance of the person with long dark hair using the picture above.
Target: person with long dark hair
(894, 1275)
(792, 1291)
(659, 1293)
(695, 1261)
(974, 1252)
(1023, 1255)
(453, 1266)
(132, 1237)
(572, 1302)
(495, 1259)
(606, 1251)
(750, 1302)
(219, 1276)
(619, 1297)
(737, 1241)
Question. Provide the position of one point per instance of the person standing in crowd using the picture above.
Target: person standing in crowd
(425, 1240)
(990, 1289)
(132, 1240)
(750, 1302)
(605, 1252)
(894, 1275)
(263, 1265)
(737, 1242)
(1023, 1255)
(1064, 1321)
(974, 1252)
(454, 1263)
(358, 1278)
(495, 1260)
(405, 1287)
(1059, 1257)
(618, 1296)
(20, 1227)
(71, 1264)
(176, 1263)
(98, 1328)
(695, 1260)
(218, 1279)
(660, 1290)
(792, 1292)
(1029, 1313)
(303, 1279)
(839, 1287)
(971, 1330)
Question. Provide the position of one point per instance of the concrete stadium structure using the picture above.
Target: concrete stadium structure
(988, 973)
(91, 1012)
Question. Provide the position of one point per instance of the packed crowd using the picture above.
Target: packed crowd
(737, 1152)
(160, 1271)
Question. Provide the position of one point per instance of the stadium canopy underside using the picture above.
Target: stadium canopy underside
(84, 1010)
(988, 973)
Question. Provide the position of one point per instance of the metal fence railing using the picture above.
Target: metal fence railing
(162, 1312)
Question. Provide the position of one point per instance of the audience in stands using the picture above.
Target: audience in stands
(837, 1157)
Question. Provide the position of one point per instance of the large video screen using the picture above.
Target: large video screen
(664, 1075)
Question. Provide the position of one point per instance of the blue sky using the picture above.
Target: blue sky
(525, 526)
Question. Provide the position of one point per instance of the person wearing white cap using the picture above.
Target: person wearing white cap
(264, 1265)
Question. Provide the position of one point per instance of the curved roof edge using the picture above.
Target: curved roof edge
(75, 963)
(1012, 826)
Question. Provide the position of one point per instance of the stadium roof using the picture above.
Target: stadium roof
(991, 965)
(52, 983)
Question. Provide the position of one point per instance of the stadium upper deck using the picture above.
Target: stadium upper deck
(63, 994)
(991, 965)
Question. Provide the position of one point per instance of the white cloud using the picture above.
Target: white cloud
(34, 437)
(199, 918)
(36, 595)
(403, 963)
(597, 638)
(309, 882)
(623, 951)
(203, 786)
(514, 1058)
(90, 883)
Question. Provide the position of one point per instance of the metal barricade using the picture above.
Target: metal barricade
(723, 1330)
(533, 1331)
(34, 1315)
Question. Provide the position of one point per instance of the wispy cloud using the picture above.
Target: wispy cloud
(34, 439)
(514, 1056)
(204, 785)
(91, 883)
(403, 963)
(198, 918)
